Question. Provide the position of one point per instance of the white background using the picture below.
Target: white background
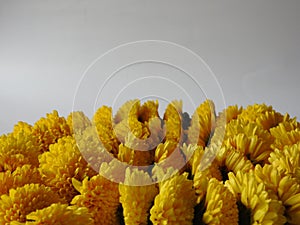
(253, 48)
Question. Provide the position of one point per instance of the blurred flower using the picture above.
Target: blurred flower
(60, 164)
(136, 196)
(21, 201)
(170, 207)
(58, 214)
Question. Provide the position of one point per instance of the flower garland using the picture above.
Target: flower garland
(241, 166)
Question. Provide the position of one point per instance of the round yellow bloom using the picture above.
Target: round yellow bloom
(249, 139)
(101, 197)
(175, 202)
(22, 175)
(58, 214)
(123, 111)
(22, 127)
(136, 196)
(173, 122)
(286, 133)
(18, 149)
(217, 207)
(91, 148)
(135, 157)
(132, 123)
(23, 200)
(254, 203)
(282, 187)
(164, 150)
(48, 130)
(262, 115)
(196, 160)
(103, 121)
(60, 164)
(202, 124)
(287, 160)
(168, 154)
(230, 113)
(230, 160)
(78, 122)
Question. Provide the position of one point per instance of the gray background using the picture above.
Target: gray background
(253, 48)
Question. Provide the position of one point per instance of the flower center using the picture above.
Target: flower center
(198, 213)
(244, 214)
(224, 172)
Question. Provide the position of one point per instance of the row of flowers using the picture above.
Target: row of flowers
(241, 166)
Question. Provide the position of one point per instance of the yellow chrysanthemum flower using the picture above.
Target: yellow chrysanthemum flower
(287, 159)
(123, 111)
(217, 206)
(21, 201)
(132, 123)
(196, 159)
(286, 133)
(230, 113)
(78, 122)
(145, 112)
(100, 196)
(202, 124)
(250, 139)
(164, 150)
(22, 175)
(48, 130)
(282, 187)
(262, 115)
(136, 196)
(58, 214)
(60, 164)
(22, 127)
(173, 122)
(175, 202)
(201, 180)
(138, 131)
(230, 160)
(91, 148)
(167, 155)
(254, 203)
(103, 121)
(148, 111)
(16, 150)
(135, 157)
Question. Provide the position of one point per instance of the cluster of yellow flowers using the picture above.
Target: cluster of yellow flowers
(241, 166)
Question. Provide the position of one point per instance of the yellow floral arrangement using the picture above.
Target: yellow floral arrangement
(241, 166)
